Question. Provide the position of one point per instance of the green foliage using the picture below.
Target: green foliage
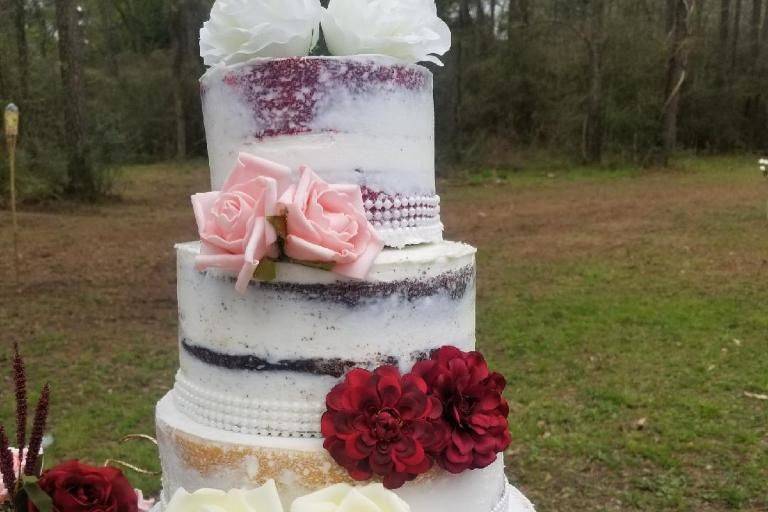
(129, 89)
(514, 82)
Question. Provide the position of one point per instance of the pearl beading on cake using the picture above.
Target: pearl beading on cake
(503, 504)
(278, 418)
(401, 218)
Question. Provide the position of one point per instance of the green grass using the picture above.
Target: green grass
(627, 309)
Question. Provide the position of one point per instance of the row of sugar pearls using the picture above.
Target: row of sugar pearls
(251, 417)
(271, 408)
(269, 413)
(404, 213)
(229, 417)
(385, 202)
(410, 223)
(215, 399)
(235, 412)
(259, 427)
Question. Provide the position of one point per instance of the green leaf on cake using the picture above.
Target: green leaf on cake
(266, 271)
(280, 225)
(32, 492)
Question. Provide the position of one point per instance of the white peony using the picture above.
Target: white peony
(240, 30)
(346, 498)
(263, 499)
(407, 29)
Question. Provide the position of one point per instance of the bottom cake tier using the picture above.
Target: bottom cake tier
(195, 456)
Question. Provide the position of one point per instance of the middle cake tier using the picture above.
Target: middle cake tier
(262, 363)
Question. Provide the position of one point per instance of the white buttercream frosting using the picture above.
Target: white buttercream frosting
(239, 30)
(361, 120)
(423, 298)
(406, 29)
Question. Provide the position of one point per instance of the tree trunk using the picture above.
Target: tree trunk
(481, 29)
(3, 81)
(754, 43)
(670, 16)
(525, 11)
(512, 18)
(179, 49)
(81, 179)
(110, 33)
(700, 18)
(4, 86)
(22, 56)
(20, 21)
(593, 125)
(458, 106)
(736, 37)
(725, 23)
(677, 68)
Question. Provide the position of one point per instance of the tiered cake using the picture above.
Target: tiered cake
(257, 366)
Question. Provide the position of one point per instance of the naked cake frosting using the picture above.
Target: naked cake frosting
(326, 330)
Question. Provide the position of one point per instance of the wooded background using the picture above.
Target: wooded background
(103, 83)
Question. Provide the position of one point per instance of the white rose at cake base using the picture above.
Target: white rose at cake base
(346, 498)
(263, 499)
(407, 29)
(240, 30)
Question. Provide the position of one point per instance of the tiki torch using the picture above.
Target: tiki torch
(11, 136)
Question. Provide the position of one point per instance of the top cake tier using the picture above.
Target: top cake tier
(363, 120)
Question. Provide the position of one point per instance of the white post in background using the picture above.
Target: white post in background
(11, 137)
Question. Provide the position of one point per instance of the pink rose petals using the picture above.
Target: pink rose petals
(324, 223)
(327, 223)
(234, 223)
(144, 505)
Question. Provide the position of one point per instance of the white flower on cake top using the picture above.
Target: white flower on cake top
(263, 499)
(240, 30)
(406, 29)
(346, 498)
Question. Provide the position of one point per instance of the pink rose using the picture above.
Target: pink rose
(145, 505)
(326, 223)
(233, 223)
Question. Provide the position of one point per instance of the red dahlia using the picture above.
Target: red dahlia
(382, 423)
(473, 407)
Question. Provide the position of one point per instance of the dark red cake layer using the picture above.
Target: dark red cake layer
(334, 367)
(454, 284)
(285, 95)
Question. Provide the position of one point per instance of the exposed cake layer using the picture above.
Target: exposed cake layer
(364, 120)
(263, 363)
(194, 456)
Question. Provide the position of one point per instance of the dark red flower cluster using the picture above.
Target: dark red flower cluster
(76, 487)
(449, 410)
(382, 423)
(473, 408)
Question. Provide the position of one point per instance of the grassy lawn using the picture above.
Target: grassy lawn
(627, 309)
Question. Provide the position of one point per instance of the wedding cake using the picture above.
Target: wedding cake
(326, 330)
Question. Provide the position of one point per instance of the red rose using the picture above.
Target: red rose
(473, 407)
(382, 423)
(75, 487)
